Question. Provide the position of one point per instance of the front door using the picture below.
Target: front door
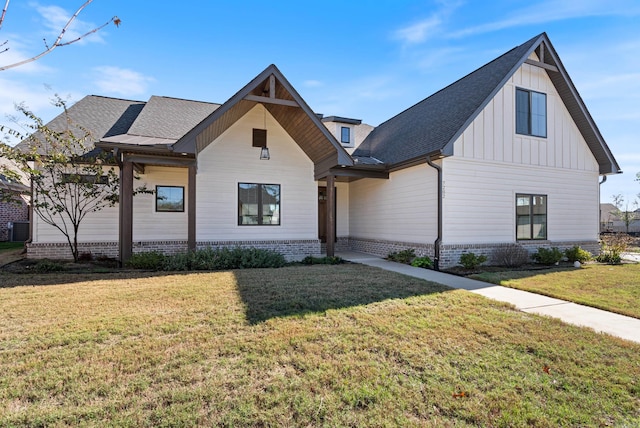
(322, 214)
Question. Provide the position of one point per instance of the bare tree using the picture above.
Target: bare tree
(623, 213)
(58, 42)
(69, 181)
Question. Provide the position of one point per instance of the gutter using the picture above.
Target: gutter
(438, 241)
(604, 179)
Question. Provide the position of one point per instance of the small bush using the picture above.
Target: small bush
(548, 256)
(85, 257)
(471, 260)
(612, 247)
(310, 260)
(512, 255)
(224, 259)
(404, 256)
(46, 266)
(148, 260)
(422, 262)
(577, 254)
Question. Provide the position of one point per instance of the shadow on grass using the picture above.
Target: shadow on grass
(296, 291)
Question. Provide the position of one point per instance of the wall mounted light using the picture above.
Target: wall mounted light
(264, 153)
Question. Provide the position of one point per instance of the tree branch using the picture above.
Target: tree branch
(58, 41)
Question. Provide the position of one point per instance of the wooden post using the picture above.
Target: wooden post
(126, 211)
(331, 218)
(191, 208)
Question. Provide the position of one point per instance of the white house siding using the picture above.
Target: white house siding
(401, 212)
(97, 226)
(230, 160)
(342, 210)
(149, 225)
(492, 163)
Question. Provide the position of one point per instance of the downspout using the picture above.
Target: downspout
(604, 179)
(438, 241)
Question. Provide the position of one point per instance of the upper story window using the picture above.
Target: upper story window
(345, 135)
(531, 113)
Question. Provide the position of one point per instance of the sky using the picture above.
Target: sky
(359, 59)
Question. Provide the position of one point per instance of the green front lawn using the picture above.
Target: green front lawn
(344, 345)
(5, 245)
(615, 288)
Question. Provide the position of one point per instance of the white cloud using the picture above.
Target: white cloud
(551, 11)
(121, 81)
(55, 18)
(312, 83)
(419, 32)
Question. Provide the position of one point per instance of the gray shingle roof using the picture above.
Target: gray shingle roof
(170, 118)
(430, 125)
(101, 116)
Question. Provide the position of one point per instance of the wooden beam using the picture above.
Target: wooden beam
(359, 173)
(125, 239)
(191, 209)
(272, 86)
(541, 65)
(269, 100)
(138, 168)
(160, 160)
(331, 218)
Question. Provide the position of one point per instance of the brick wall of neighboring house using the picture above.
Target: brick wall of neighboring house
(10, 212)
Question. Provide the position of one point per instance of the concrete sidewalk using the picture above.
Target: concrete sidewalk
(602, 321)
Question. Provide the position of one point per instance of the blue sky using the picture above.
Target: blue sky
(366, 60)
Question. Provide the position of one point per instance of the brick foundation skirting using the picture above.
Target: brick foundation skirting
(290, 249)
(298, 249)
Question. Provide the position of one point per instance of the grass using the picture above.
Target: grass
(344, 345)
(6, 245)
(614, 288)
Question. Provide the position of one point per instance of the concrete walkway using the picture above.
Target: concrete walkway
(602, 321)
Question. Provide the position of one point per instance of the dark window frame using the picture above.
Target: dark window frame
(161, 210)
(525, 126)
(344, 140)
(542, 235)
(260, 205)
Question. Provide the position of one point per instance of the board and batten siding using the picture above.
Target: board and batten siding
(492, 163)
(400, 209)
(231, 159)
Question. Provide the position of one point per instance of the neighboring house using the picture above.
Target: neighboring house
(507, 154)
(611, 221)
(14, 209)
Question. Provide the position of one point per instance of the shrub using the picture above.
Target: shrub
(512, 255)
(224, 259)
(471, 260)
(612, 247)
(147, 260)
(548, 256)
(46, 265)
(310, 260)
(85, 257)
(422, 262)
(577, 254)
(404, 256)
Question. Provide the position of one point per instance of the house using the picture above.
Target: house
(507, 154)
(14, 205)
(612, 220)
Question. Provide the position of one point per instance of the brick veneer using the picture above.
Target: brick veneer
(10, 212)
(290, 249)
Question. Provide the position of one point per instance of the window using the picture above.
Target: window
(531, 113)
(85, 179)
(531, 217)
(258, 204)
(169, 199)
(345, 135)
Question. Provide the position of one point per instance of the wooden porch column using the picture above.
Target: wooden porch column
(126, 211)
(191, 208)
(331, 218)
